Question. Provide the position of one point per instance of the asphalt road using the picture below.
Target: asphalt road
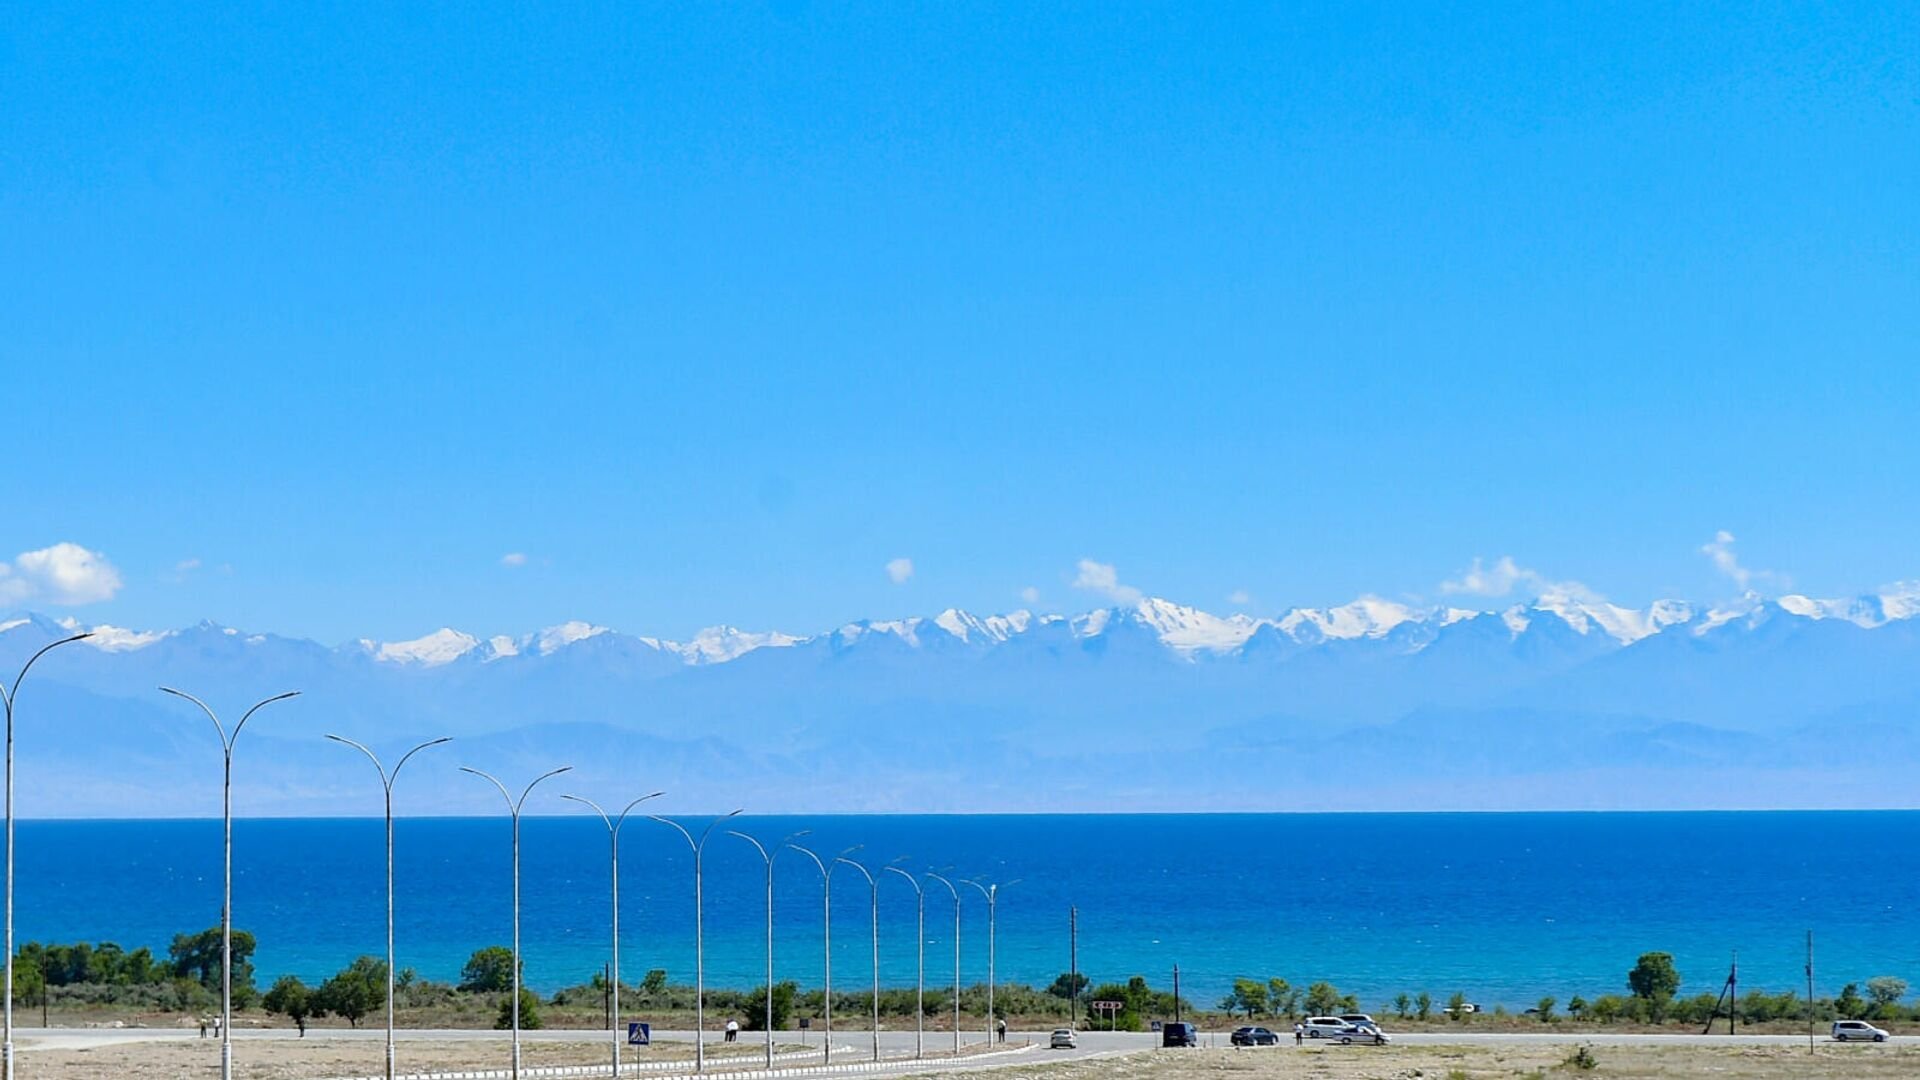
(898, 1046)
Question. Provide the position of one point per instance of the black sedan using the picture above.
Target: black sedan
(1254, 1036)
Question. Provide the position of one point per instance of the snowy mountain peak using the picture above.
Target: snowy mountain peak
(554, 638)
(1368, 616)
(719, 644)
(443, 646)
(119, 639)
(1188, 629)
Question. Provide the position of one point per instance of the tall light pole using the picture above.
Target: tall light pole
(226, 895)
(826, 904)
(513, 810)
(767, 856)
(826, 996)
(699, 935)
(873, 885)
(613, 836)
(992, 893)
(7, 698)
(956, 958)
(920, 987)
(386, 783)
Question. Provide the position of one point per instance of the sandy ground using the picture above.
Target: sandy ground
(311, 1059)
(1483, 1063)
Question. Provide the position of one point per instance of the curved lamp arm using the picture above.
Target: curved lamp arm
(948, 884)
(864, 872)
(911, 880)
(226, 740)
(6, 695)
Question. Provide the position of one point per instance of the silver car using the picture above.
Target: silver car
(1062, 1040)
(1857, 1031)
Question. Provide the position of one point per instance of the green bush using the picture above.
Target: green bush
(529, 1011)
(756, 1006)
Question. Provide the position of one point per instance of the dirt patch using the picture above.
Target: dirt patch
(309, 1059)
(1484, 1063)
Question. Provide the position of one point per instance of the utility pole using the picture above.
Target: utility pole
(1176, 993)
(1733, 993)
(1810, 1048)
(1073, 965)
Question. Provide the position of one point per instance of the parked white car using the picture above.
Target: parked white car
(1857, 1031)
(1323, 1027)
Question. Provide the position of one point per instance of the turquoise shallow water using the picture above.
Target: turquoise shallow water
(1506, 907)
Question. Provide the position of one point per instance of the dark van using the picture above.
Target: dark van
(1179, 1035)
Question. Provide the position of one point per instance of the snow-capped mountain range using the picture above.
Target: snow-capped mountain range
(1560, 701)
(1186, 631)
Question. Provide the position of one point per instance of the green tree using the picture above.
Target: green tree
(1606, 1008)
(654, 983)
(1850, 1004)
(1423, 1005)
(197, 957)
(1577, 1007)
(290, 997)
(29, 982)
(1249, 996)
(1069, 985)
(1323, 999)
(1282, 998)
(755, 1006)
(1886, 992)
(1654, 977)
(1545, 1009)
(356, 990)
(1457, 1008)
(1401, 1004)
(529, 1011)
(488, 971)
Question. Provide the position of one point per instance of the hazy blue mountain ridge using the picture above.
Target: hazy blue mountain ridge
(1149, 706)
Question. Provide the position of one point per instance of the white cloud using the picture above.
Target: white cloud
(1030, 594)
(1505, 577)
(1104, 579)
(1240, 598)
(186, 566)
(899, 570)
(1724, 560)
(514, 558)
(65, 574)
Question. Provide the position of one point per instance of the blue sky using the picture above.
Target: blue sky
(309, 317)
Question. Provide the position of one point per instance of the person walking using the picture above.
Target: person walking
(1003, 1029)
(1299, 1034)
(733, 1030)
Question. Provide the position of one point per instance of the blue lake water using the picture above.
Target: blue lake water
(1506, 907)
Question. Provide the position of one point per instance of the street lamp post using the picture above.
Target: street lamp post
(826, 903)
(767, 856)
(226, 895)
(513, 810)
(873, 885)
(386, 783)
(992, 893)
(956, 958)
(920, 986)
(7, 698)
(613, 836)
(699, 935)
